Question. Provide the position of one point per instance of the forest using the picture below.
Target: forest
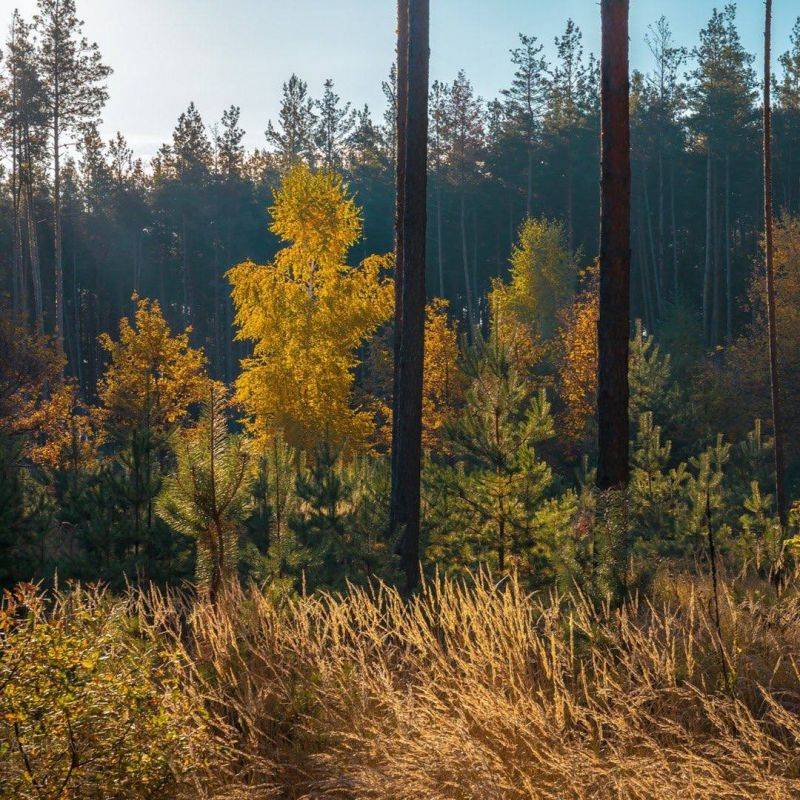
(447, 452)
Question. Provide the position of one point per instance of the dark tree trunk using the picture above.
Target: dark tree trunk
(709, 248)
(676, 287)
(728, 265)
(777, 416)
(401, 110)
(408, 403)
(613, 325)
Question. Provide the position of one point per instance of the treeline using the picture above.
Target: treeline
(86, 227)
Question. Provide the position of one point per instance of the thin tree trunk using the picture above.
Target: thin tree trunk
(647, 295)
(529, 203)
(709, 246)
(716, 277)
(777, 416)
(653, 258)
(676, 287)
(728, 266)
(408, 438)
(33, 253)
(661, 259)
(613, 325)
(58, 266)
(439, 243)
(465, 263)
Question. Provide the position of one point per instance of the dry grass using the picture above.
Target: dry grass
(485, 692)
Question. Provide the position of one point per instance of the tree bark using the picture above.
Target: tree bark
(728, 265)
(709, 247)
(465, 263)
(401, 110)
(613, 325)
(675, 273)
(777, 416)
(408, 422)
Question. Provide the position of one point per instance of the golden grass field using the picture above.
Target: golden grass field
(478, 691)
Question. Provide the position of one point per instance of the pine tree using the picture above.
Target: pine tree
(293, 137)
(464, 136)
(339, 519)
(333, 128)
(721, 97)
(525, 100)
(74, 78)
(498, 487)
(205, 497)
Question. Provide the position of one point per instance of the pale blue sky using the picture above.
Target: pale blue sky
(217, 52)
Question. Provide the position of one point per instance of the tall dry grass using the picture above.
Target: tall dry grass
(484, 692)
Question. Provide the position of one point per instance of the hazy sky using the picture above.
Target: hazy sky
(217, 52)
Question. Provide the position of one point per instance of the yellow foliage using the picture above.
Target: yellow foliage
(509, 327)
(153, 376)
(36, 403)
(89, 708)
(578, 368)
(543, 273)
(307, 313)
(443, 381)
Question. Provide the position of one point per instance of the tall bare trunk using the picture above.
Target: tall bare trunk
(653, 259)
(777, 415)
(33, 254)
(439, 242)
(465, 263)
(613, 325)
(675, 273)
(58, 266)
(405, 507)
(401, 112)
(709, 247)
(529, 201)
(728, 266)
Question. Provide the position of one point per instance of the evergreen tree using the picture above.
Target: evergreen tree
(205, 497)
(333, 128)
(525, 100)
(73, 76)
(292, 138)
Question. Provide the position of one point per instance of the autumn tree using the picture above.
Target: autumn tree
(152, 380)
(307, 313)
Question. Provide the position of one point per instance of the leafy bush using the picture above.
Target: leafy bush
(90, 706)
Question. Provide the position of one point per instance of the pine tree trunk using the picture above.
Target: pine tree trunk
(777, 415)
(709, 246)
(465, 263)
(439, 243)
(33, 254)
(675, 273)
(728, 266)
(408, 422)
(529, 203)
(715, 284)
(613, 325)
(58, 267)
(661, 260)
(653, 259)
(400, 163)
